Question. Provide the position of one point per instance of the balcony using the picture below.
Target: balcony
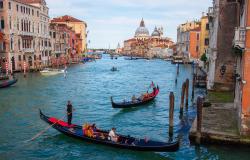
(28, 50)
(211, 13)
(239, 37)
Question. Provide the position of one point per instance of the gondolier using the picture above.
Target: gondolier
(69, 112)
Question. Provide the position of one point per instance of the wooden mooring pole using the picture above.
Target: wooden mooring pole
(178, 68)
(187, 90)
(171, 114)
(199, 120)
(182, 99)
(193, 88)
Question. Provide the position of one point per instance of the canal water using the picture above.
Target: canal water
(89, 87)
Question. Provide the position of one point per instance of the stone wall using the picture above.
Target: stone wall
(227, 23)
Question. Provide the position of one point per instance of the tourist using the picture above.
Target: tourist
(133, 98)
(69, 112)
(112, 135)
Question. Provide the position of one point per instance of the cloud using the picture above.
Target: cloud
(112, 21)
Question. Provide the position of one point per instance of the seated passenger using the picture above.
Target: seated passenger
(112, 135)
(141, 97)
(133, 98)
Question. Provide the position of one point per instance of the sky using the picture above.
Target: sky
(112, 21)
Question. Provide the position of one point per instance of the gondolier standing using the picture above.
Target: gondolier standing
(69, 112)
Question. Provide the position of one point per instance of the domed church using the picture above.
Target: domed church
(144, 45)
(142, 32)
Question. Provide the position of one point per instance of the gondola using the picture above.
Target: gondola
(125, 142)
(138, 101)
(7, 83)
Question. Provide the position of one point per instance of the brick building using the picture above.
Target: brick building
(221, 60)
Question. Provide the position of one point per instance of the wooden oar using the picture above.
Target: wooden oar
(40, 133)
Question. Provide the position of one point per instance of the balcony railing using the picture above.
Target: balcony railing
(28, 50)
(211, 12)
(239, 37)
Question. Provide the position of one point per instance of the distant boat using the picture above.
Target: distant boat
(114, 69)
(51, 71)
(131, 58)
(150, 97)
(7, 83)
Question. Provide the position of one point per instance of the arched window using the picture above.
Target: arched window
(11, 44)
(19, 44)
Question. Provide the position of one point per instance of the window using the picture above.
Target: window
(11, 44)
(10, 22)
(17, 7)
(19, 44)
(9, 5)
(1, 4)
(24, 58)
(34, 57)
(206, 41)
(54, 34)
(19, 57)
(207, 26)
(40, 57)
(32, 12)
(2, 23)
(197, 48)
(37, 13)
(198, 36)
(17, 24)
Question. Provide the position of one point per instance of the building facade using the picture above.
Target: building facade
(25, 24)
(77, 25)
(241, 44)
(183, 37)
(221, 60)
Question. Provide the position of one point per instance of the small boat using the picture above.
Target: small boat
(113, 69)
(137, 102)
(51, 71)
(125, 142)
(131, 58)
(7, 83)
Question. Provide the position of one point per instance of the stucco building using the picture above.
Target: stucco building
(25, 25)
(241, 44)
(77, 25)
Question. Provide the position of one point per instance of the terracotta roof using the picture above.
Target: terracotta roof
(31, 1)
(66, 18)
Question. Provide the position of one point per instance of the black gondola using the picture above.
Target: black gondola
(7, 83)
(125, 142)
(138, 102)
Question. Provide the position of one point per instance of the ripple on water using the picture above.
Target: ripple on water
(89, 87)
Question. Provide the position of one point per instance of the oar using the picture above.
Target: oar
(40, 133)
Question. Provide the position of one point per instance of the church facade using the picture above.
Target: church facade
(145, 45)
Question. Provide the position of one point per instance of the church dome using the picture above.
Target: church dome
(142, 31)
(156, 33)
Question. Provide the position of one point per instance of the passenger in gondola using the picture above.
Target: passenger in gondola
(69, 112)
(133, 99)
(154, 90)
(141, 97)
(146, 95)
(113, 136)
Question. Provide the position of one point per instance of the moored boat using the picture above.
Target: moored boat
(125, 142)
(51, 71)
(7, 83)
(137, 102)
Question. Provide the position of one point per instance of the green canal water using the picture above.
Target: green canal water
(89, 87)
